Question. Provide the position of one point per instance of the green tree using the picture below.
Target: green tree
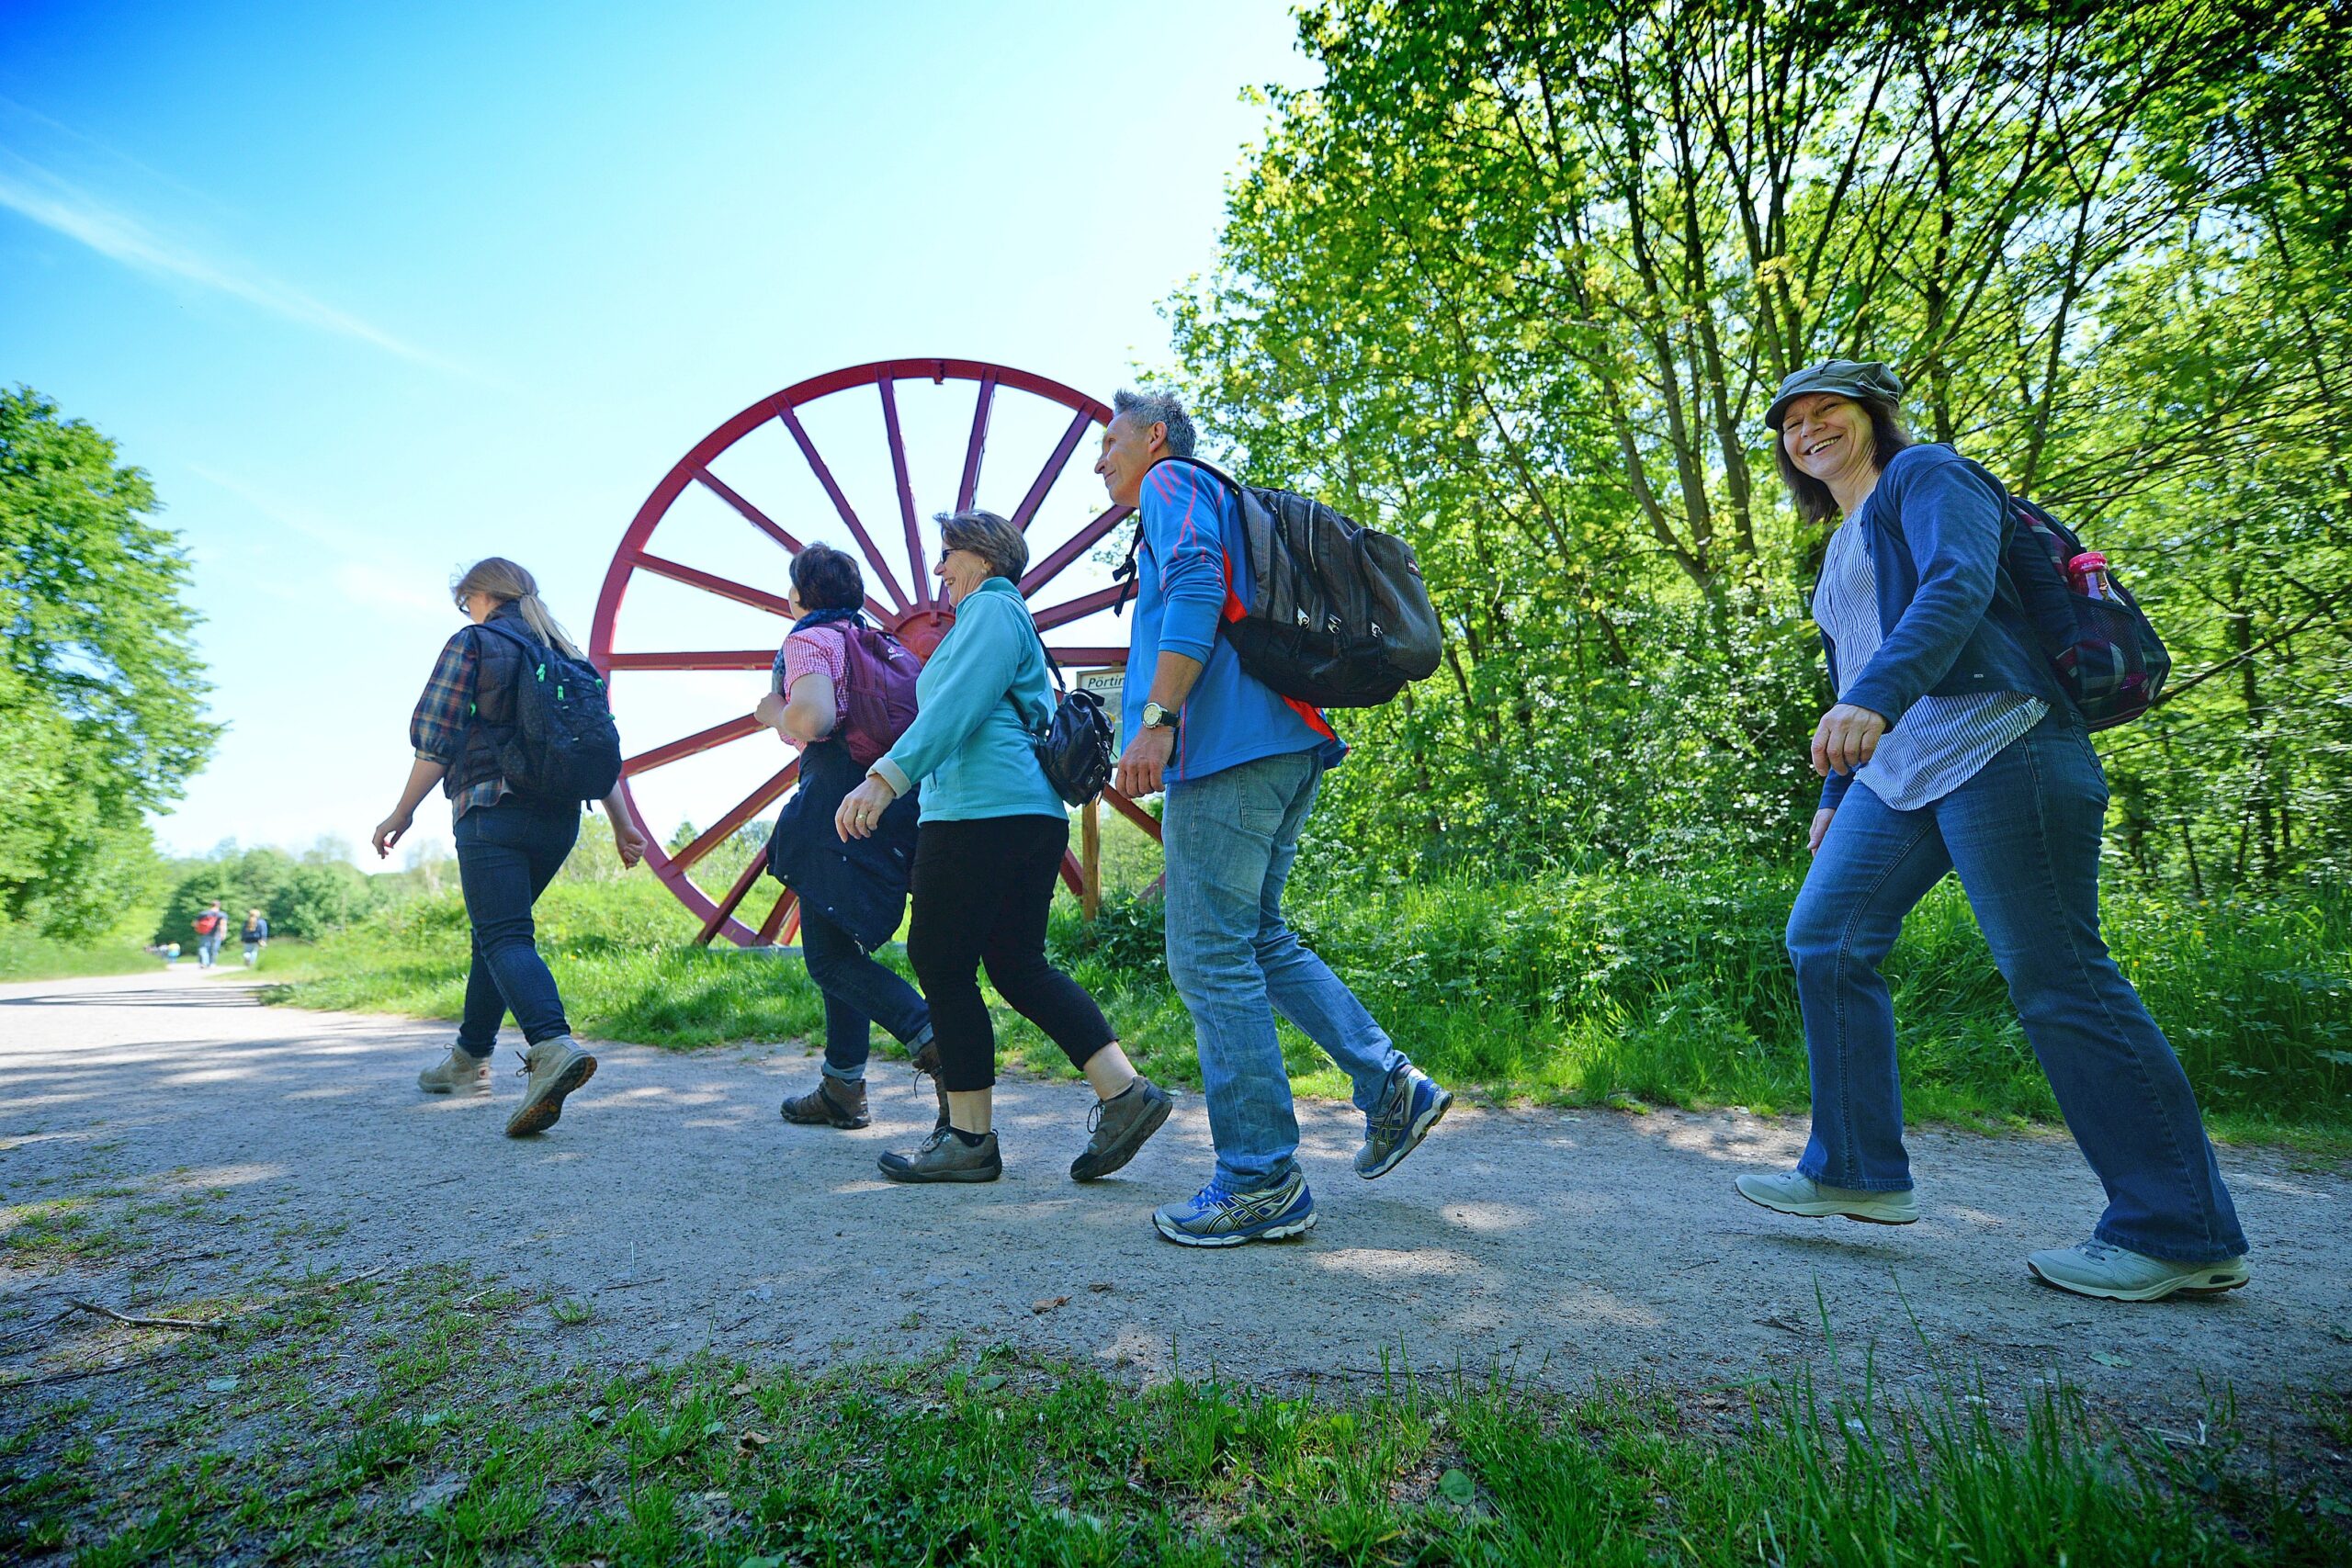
(101, 693)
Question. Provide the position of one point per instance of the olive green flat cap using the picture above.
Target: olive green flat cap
(1846, 378)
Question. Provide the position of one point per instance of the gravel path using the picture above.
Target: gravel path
(673, 1201)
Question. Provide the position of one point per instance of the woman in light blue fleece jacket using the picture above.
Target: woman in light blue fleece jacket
(993, 835)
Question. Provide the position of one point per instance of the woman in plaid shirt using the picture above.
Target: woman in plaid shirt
(508, 850)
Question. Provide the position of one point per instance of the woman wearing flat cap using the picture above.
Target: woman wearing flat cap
(1969, 758)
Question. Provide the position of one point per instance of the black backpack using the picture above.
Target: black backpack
(562, 746)
(1337, 616)
(1075, 746)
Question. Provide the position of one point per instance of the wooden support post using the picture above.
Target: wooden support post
(1089, 856)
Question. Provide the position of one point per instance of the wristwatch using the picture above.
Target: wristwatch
(1158, 718)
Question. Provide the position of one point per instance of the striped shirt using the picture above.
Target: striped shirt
(1941, 743)
(437, 729)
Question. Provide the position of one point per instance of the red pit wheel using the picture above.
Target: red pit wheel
(671, 673)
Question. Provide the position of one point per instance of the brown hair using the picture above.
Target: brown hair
(510, 584)
(1814, 503)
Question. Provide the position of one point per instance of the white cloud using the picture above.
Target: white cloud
(58, 205)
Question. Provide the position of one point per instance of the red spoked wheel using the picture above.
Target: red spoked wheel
(704, 565)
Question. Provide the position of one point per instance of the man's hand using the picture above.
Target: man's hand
(1846, 738)
(1143, 769)
(862, 807)
(1820, 826)
(387, 832)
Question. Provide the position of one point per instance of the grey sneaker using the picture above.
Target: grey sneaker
(832, 1103)
(1118, 1126)
(943, 1156)
(556, 1067)
(926, 1065)
(1808, 1199)
(2118, 1274)
(1409, 1108)
(459, 1071)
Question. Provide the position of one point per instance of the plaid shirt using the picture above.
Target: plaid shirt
(437, 729)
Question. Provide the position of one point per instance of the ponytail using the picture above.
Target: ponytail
(509, 583)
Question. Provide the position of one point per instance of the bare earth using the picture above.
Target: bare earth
(674, 1201)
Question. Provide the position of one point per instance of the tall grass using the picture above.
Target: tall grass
(1599, 986)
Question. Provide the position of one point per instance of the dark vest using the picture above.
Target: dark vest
(498, 662)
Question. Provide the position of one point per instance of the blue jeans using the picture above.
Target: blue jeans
(859, 992)
(208, 950)
(1231, 838)
(2024, 836)
(507, 854)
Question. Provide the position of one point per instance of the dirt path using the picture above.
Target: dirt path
(676, 1203)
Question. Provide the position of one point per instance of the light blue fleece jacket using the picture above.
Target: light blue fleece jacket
(980, 700)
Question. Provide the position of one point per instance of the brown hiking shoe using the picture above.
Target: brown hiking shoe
(943, 1156)
(461, 1071)
(926, 1065)
(1118, 1127)
(832, 1103)
(556, 1067)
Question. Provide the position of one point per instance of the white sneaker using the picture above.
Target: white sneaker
(1807, 1199)
(2118, 1274)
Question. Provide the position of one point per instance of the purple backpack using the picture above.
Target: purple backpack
(880, 674)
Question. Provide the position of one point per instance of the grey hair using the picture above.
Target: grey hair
(992, 538)
(1157, 408)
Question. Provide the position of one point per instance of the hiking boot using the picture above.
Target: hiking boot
(556, 1067)
(833, 1103)
(926, 1065)
(1118, 1126)
(1410, 1106)
(2118, 1274)
(1217, 1216)
(461, 1071)
(1809, 1199)
(943, 1156)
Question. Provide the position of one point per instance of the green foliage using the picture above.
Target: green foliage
(101, 696)
(1517, 283)
(319, 893)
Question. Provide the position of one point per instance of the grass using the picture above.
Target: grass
(1582, 989)
(26, 954)
(390, 1421)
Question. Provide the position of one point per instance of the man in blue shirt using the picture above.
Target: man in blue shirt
(1240, 764)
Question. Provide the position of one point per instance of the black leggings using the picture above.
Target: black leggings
(981, 892)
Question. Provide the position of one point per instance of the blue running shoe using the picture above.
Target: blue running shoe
(1216, 1217)
(1409, 1108)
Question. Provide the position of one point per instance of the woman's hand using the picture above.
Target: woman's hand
(629, 838)
(1820, 826)
(1846, 738)
(862, 807)
(387, 832)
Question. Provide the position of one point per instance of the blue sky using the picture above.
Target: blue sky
(373, 291)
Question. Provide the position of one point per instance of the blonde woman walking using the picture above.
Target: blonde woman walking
(510, 839)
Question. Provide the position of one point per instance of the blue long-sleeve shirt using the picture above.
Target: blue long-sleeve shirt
(980, 699)
(1192, 535)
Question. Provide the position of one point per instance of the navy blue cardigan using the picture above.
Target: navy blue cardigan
(1936, 527)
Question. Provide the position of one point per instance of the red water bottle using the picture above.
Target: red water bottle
(2088, 573)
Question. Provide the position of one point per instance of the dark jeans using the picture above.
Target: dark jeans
(507, 854)
(983, 889)
(2024, 836)
(859, 992)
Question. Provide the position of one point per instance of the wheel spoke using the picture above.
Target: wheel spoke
(906, 491)
(1052, 471)
(735, 895)
(1080, 607)
(711, 582)
(692, 745)
(970, 484)
(749, 808)
(1073, 874)
(1132, 812)
(786, 905)
(1090, 655)
(740, 658)
(841, 504)
(1077, 544)
(753, 514)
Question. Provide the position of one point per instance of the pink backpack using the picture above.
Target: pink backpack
(880, 674)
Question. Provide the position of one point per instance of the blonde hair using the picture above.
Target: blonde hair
(509, 583)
